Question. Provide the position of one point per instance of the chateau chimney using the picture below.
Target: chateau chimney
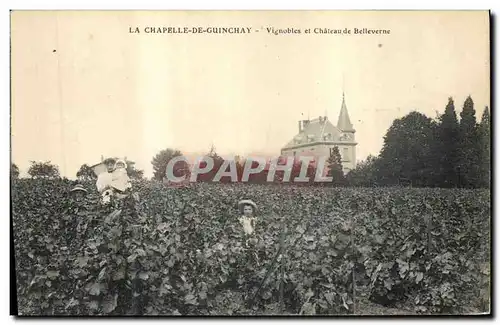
(300, 126)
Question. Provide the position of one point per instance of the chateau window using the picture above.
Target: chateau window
(346, 153)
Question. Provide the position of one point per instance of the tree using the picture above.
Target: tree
(160, 162)
(407, 153)
(218, 161)
(446, 149)
(334, 163)
(365, 173)
(132, 171)
(469, 170)
(14, 171)
(484, 133)
(86, 173)
(311, 173)
(43, 170)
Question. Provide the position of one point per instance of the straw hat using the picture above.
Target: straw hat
(78, 187)
(242, 203)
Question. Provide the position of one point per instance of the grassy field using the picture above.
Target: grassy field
(181, 251)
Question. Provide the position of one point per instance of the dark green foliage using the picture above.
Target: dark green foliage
(217, 161)
(181, 251)
(365, 174)
(408, 152)
(132, 171)
(334, 163)
(469, 144)
(14, 171)
(447, 147)
(421, 152)
(160, 162)
(428, 258)
(43, 170)
(86, 173)
(484, 134)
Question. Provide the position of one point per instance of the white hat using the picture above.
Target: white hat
(121, 161)
(78, 187)
(242, 203)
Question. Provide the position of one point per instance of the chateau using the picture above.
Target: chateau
(317, 137)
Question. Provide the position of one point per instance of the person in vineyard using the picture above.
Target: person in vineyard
(115, 182)
(75, 216)
(120, 181)
(78, 192)
(104, 180)
(247, 220)
(249, 234)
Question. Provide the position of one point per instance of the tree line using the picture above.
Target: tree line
(182, 169)
(424, 152)
(418, 151)
(48, 170)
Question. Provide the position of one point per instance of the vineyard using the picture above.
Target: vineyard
(180, 251)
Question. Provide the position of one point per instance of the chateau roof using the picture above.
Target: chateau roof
(322, 130)
(344, 123)
(316, 130)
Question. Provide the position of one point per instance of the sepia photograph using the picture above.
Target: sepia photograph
(250, 163)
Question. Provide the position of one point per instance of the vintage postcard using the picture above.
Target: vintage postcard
(216, 163)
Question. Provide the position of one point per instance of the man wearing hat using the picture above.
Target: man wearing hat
(78, 192)
(74, 227)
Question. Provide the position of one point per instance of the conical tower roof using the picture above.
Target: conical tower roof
(344, 122)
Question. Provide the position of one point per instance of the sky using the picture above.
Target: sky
(83, 86)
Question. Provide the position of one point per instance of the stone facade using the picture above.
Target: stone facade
(318, 136)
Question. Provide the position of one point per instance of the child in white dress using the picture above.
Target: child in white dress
(120, 180)
(247, 220)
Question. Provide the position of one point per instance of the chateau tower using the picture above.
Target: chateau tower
(317, 137)
(347, 146)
